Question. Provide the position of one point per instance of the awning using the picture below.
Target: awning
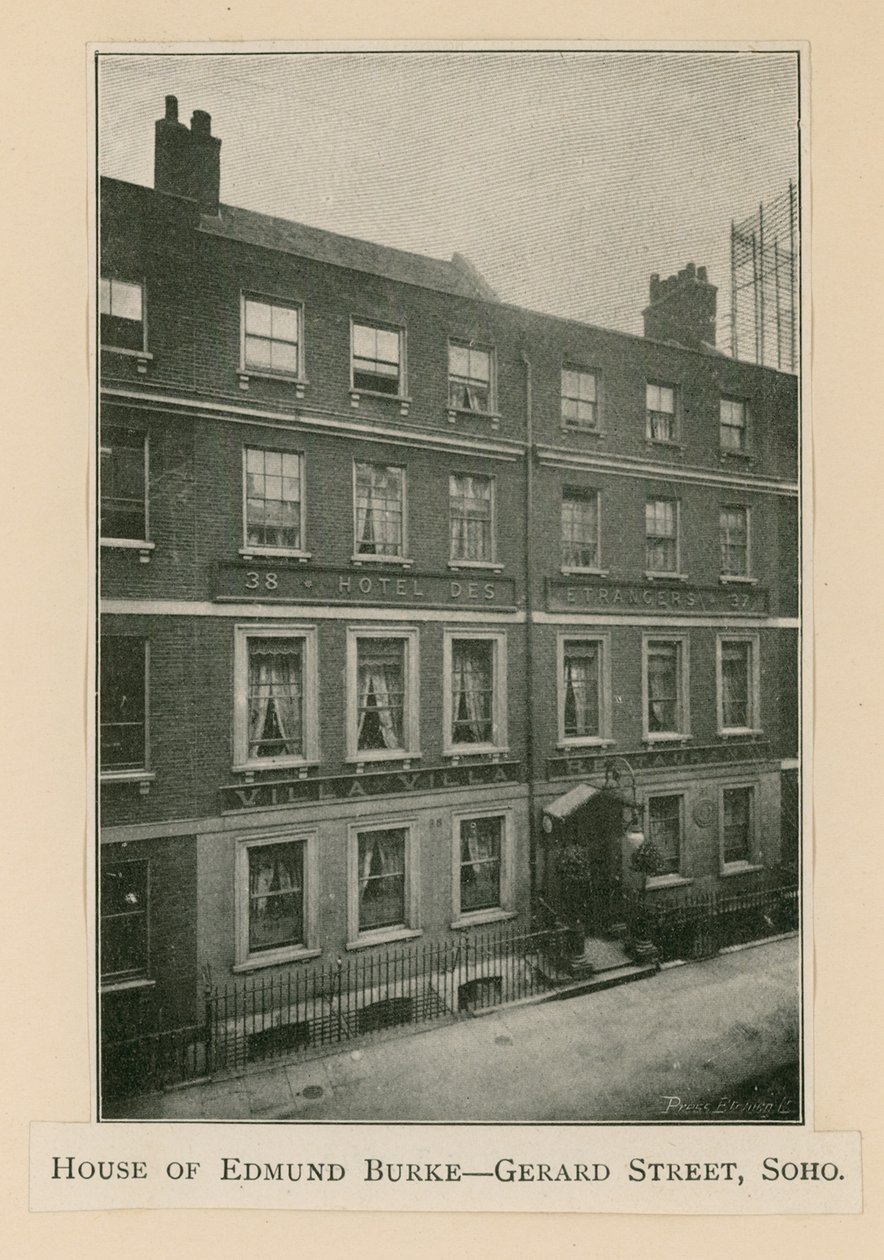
(564, 806)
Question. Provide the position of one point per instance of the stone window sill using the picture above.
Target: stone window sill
(395, 758)
(736, 579)
(126, 986)
(667, 881)
(142, 356)
(273, 958)
(402, 400)
(586, 741)
(385, 936)
(665, 737)
(493, 417)
(483, 917)
(739, 868)
(399, 562)
(143, 778)
(131, 544)
(577, 570)
(276, 553)
(740, 732)
(668, 444)
(746, 457)
(250, 769)
(653, 575)
(246, 374)
(490, 566)
(462, 755)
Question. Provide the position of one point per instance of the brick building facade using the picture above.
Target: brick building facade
(389, 568)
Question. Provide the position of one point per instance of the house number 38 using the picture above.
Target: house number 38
(253, 581)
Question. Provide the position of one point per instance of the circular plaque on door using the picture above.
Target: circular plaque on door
(704, 812)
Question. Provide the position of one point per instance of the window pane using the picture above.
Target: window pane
(663, 680)
(125, 300)
(381, 878)
(123, 497)
(123, 709)
(104, 294)
(470, 517)
(257, 352)
(284, 323)
(124, 919)
(735, 680)
(379, 510)
(364, 341)
(580, 688)
(387, 345)
(580, 530)
(736, 841)
(276, 896)
(664, 828)
(258, 319)
(275, 697)
(472, 683)
(480, 856)
(380, 679)
(273, 499)
(283, 356)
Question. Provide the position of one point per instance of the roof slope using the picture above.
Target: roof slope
(457, 276)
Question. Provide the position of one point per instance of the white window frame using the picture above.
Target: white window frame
(471, 343)
(411, 706)
(247, 550)
(357, 391)
(671, 878)
(142, 355)
(142, 545)
(246, 369)
(579, 427)
(142, 775)
(492, 563)
(602, 641)
(656, 574)
(736, 451)
(244, 961)
(411, 928)
(754, 682)
(115, 981)
(506, 909)
(737, 578)
(675, 413)
(663, 635)
(310, 658)
(499, 741)
(752, 862)
(359, 557)
(587, 493)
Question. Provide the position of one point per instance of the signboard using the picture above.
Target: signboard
(283, 582)
(569, 767)
(266, 795)
(578, 594)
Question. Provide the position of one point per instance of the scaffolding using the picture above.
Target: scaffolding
(763, 324)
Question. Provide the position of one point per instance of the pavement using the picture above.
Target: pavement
(698, 1034)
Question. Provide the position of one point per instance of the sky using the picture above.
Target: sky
(566, 178)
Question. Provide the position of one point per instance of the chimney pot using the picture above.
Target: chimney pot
(171, 109)
(201, 124)
(682, 308)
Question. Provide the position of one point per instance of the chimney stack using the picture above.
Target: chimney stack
(187, 163)
(682, 308)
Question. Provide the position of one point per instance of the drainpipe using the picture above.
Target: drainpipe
(530, 760)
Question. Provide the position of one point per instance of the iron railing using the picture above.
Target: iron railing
(692, 927)
(310, 1007)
